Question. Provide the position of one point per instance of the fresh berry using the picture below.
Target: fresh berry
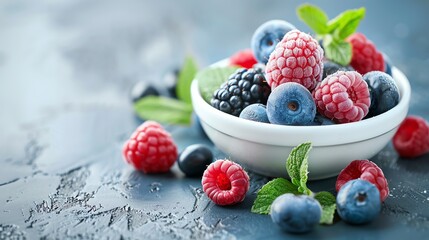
(365, 170)
(225, 182)
(297, 58)
(320, 120)
(143, 89)
(291, 104)
(256, 112)
(383, 91)
(388, 64)
(296, 213)
(343, 97)
(244, 87)
(150, 149)
(358, 202)
(330, 67)
(244, 58)
(365, 57)
(194, 159)
(412, 137)
(266, 37)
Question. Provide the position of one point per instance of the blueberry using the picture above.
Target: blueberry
(266, 37)
(194, 159)
(383, 92)
(296, 213)
(388, 64)
(320, 120)
(291, 104)
(142, 89)
(330, 67)
(358, 202)
(256, 112)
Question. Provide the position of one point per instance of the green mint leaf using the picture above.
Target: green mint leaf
(297, 166)
(327, 201)
(314, 17)
(165, 110)
(346, 23)
(269, 192)
(186, 75)
(210, 79)
(339, 52)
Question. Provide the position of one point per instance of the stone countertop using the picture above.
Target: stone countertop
(66, 70)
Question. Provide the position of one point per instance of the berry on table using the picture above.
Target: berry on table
(243, 58)
(244, 87)
(365, 170)
(256, 112)
(330, 67)
(194, 159)
(143, 89)
(291, 104)
(412, 137)
(358, 202)
(343, 97)
(365, 57)
(266, 37)
(296, 213)
(150, 149)
(225, 182)
(383, 91)
(297, 58)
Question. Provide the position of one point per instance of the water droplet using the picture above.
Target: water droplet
(424, 191)
(155, 187)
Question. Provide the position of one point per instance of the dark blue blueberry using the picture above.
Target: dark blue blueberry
(388, 64)
(358, 202)
(266, 37)
(256, 112)
(383, 92)
(291, 104)
(296, 213)
(194, 159)
(143, 89)
(330, 67)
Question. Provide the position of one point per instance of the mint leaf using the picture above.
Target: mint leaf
(210, 79)
(314, 17)
(186, 75)
(269, 192)
(328, 203)
(162, 109)
(339, 52)
(346, 23)
(297, 165)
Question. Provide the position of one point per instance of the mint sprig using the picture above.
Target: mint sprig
(333, 32)
(297, 165)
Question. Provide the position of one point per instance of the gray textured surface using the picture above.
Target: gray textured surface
(65, 72)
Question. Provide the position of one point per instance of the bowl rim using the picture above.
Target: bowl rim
(286, 135)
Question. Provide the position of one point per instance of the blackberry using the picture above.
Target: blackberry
(330, 67)
(244, 87)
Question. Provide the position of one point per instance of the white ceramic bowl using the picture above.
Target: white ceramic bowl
(263, 148)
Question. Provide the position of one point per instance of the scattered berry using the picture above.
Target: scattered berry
(194, 159)
(383, 91)
(358, 202)
(150, 149)
(266, 37)
(296, 213)
(297, 58)
(143, 89)
(343, 97)
(256, 112)
(244, 87)
(225, 182)
(365, 57)
(291, 104)
(412, 137)
(330, 67)
(365, 170)
(244, 58)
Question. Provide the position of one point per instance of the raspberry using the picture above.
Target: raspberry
(150, 149)
(225, 182)
(243, 58)
(297, 58)
(412, 137)
(343, 97)
(365, 170)
(365, 57)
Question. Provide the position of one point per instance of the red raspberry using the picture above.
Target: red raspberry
(412, 137)
(343, 97)
(225, 182)
(297, 58)
(365, 57)
(365, 170)
(243, 58)
(150, 149)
